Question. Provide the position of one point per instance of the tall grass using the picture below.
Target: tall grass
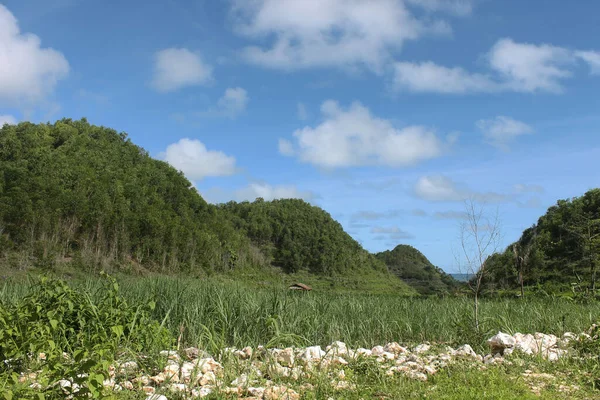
(213, 315)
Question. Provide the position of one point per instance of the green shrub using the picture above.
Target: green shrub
(64, 334)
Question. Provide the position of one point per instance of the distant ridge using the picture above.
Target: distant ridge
(462, 277)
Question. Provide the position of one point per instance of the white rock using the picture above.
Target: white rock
(202, 392)
(241, 380)
(422, 348)
(312, 353)
(377, 351)
(285, 357)
(338, 348)
(363, 352)
(501, 341)
(465, 350)
(394, 348)
(156, 397)
(256, 391)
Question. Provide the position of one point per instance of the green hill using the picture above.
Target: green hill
(561, 249)
(410, 265)
(83, 195)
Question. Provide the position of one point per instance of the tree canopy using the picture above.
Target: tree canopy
(410, 265)
(79, 192)
(561, 248)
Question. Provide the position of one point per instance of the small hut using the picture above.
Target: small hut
(300, 286)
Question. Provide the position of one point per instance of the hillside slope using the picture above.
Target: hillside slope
(410, 265)
(83, 194)
(561, 249)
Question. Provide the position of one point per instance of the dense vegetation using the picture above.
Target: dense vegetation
(410, 265)
(560, 249)
(82, 328)
(86, 195)
(72, 189)
(298, 236)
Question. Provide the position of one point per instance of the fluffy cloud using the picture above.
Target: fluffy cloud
(430, 77)
(175, 68)
(354, 137)
(440, 188)
(330, 33)
(529, 188)
(197, 162)
(233, 102)
(501, 131)
(28, 72)
(458, 7)
(7, 119)
(515, 67)
(460, 215)
(286, 147)
(530, 68)
(374, 215)
(302, 113)
(592, 58)
(390, 233)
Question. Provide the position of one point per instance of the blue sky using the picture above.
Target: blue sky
(386, 113)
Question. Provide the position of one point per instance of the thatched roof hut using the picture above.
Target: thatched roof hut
(300, 286)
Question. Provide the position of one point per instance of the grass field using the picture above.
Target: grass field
(217, 314)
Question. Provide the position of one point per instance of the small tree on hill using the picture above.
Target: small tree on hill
(479, 239)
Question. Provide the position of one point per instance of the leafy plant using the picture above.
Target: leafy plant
(72, 339)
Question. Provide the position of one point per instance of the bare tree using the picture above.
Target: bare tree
(479, 239)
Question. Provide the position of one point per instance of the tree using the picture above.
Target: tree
(586, 229)
(479, 239)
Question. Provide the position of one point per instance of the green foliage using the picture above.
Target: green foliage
(410, 265)
(561, 249)
(300, 237)
(73, 188)
(69, 335)
(72, 192)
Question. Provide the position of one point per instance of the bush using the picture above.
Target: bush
(61, 332)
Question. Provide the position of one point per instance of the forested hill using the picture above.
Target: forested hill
(299, 236)
(414, 268)
(561, 249)
(76, 193)
(71, 189)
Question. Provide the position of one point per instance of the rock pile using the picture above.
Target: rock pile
(197, 374)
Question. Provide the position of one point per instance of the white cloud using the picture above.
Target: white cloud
(286, 147)
(175, 68)
(328, 33)
(450, 215)
(390, 233)
(502, 131)
(28, 72)
(302, 113)
(512, 67)
(530, 68)
(354, 137)
(197, 162)
(458, 7)
(430, 77)
(233, 102)
(374, 215)
(529, 188)
(7, 119)
(592, 58)
(440, 188)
